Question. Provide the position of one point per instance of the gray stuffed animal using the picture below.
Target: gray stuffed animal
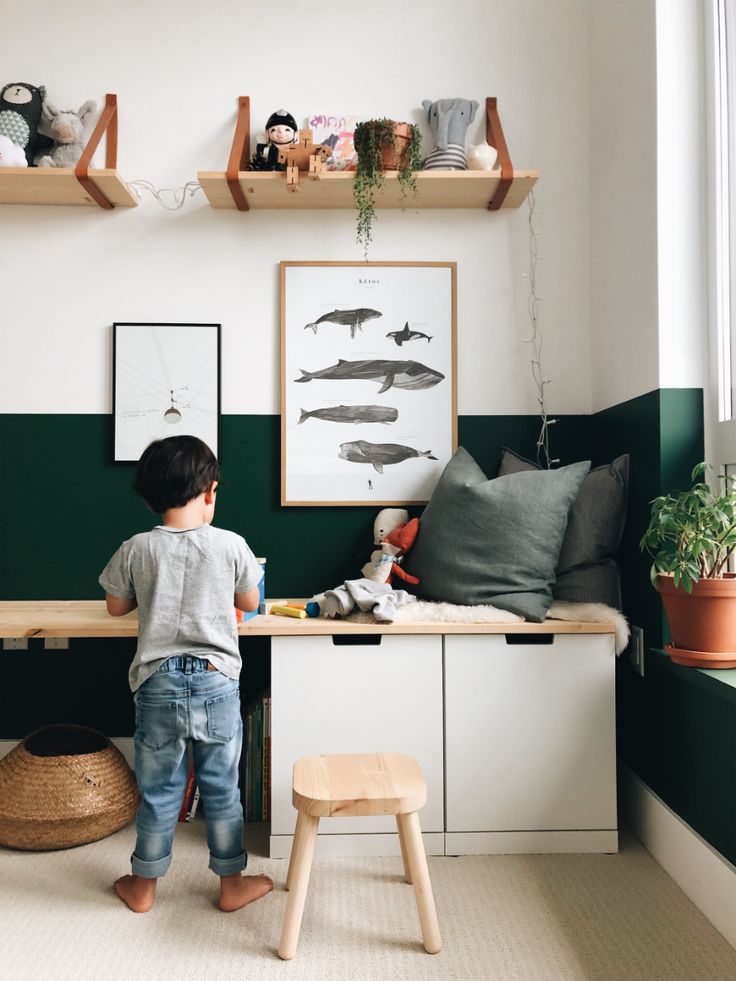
(449, 119)
(69, 130)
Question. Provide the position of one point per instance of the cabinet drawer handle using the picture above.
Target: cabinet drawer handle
(530, 638)
(356, 640)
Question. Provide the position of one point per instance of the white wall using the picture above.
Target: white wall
(623, 134)
(647, 136)
(178, 68)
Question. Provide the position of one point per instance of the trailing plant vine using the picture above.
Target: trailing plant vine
(370, 139)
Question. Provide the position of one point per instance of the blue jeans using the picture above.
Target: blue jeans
(184, 702)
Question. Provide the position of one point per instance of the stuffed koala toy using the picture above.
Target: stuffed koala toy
(69, 130)
(21, 106)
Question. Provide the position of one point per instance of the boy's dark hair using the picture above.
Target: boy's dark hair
(172, 471)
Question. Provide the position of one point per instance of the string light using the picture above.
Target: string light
(536, 341)
(179, 195)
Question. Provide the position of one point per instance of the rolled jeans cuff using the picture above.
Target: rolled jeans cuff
(228, 866)
(150, 870)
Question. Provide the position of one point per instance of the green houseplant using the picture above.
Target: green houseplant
(381, 145)
(691, 536)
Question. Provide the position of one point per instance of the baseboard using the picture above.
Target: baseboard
(703, 874)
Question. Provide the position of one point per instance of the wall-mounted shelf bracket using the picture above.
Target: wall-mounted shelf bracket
(106, 124)
(496, 139)
(239, 153)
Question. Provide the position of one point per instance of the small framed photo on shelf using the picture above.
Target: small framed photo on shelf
(368, 381)
(166, 382)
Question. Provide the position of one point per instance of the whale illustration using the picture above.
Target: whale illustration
(407, 335)
(354, 319)
(393, 374)
(351, 413)
(380, 455)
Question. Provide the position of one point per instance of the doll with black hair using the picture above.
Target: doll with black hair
(281, 132)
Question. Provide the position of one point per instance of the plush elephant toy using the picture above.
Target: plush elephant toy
(449, 119)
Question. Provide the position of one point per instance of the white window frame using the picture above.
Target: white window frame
(720, 35)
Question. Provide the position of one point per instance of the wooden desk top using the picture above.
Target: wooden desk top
(89, 618)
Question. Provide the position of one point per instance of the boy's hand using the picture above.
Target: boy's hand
(118, 607)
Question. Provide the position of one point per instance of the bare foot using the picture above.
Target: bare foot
(136, 892)
(238, 890)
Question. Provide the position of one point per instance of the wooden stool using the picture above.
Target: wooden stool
(358, 785)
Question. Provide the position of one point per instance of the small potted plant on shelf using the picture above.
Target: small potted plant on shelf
(381, 145)
(691, 537)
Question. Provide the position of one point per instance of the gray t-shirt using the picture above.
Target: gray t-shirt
(184, 582)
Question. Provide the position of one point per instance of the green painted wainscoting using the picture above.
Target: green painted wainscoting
(66, 507)
(676, 726)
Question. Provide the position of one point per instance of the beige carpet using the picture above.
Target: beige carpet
(512, 918)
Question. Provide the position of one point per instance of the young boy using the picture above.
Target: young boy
(184, 577)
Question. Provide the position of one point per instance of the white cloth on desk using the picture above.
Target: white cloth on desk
(377, 598)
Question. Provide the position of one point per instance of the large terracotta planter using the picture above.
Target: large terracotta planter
(702, 623)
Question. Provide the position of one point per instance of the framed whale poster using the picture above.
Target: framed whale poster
(368, 381)
(166, 382)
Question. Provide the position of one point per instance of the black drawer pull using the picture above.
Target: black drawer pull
(530, 638)
(356, 640)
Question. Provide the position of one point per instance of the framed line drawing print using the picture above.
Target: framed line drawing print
(368, 381)
(166, 382)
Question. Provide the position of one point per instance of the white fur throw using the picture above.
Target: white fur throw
(422, 611)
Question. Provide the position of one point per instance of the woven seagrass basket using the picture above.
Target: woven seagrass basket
(64, 785)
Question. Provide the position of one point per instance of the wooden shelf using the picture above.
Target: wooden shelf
(243, 189)
(435, 189)
(59, 186)
(74, 185)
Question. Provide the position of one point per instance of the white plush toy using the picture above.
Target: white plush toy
(69, 130)
(378, 567)
(386, 521)
(10, 154)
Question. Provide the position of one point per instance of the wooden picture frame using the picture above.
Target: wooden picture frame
(166, 382)
(376, 341)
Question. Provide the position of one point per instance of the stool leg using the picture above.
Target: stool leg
(412, 832)
(300, 865)
(296, 847)
(404, 858)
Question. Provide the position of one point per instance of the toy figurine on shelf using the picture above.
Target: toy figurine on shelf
(281, 132)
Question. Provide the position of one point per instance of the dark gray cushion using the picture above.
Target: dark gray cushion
(593, 534)
(494, 541)
(596, 582)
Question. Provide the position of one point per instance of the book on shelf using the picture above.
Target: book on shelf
(194, 804)
(189, 789)
(256, 760)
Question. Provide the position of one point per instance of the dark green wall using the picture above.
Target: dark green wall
(676, 727)
(67, 506)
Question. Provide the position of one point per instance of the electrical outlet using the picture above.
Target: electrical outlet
(15, 643)
(636, 649)
(56, 644)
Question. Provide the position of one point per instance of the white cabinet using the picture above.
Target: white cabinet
(530, 743)
(347, 694)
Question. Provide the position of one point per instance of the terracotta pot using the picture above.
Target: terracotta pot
(393, 155)
(703, 622)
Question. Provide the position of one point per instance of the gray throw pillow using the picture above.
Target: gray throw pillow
(593, 534)
(494, 541)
